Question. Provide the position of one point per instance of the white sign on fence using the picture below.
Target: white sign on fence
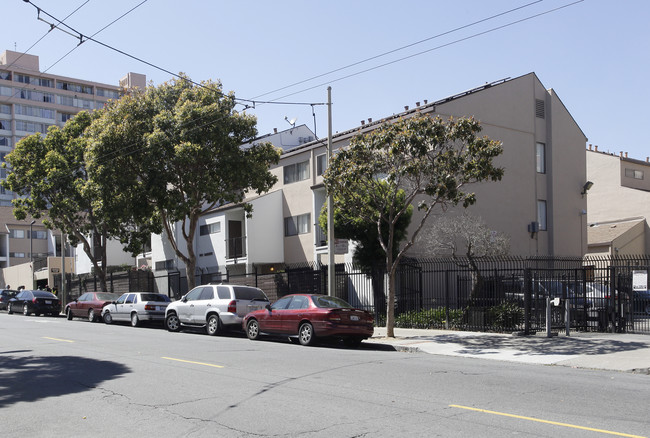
(639, 280)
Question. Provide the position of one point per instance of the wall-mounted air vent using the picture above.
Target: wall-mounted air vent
(539, 108)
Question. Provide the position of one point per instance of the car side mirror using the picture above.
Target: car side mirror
(268, 307)
(184, 299)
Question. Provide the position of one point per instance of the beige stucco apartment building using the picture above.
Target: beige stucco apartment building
(545, 172)
(619, 203)
(30, 102)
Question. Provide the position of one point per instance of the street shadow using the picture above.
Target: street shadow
(31, 378)
(534, 345)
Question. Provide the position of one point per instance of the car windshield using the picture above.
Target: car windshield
(330, 302)
(106, 296)
(154, 297)
(43, 294)
(249, 293)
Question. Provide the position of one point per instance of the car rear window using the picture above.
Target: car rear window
(330, 302)
(43, 294)
(107, 296)
(249, 293)
(154, 297)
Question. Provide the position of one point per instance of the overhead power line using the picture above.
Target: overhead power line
(336, 70)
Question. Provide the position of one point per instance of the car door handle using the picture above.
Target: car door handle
(209, 305)
(191, 305)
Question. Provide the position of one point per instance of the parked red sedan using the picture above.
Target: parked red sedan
(89, 305)
(311, 316)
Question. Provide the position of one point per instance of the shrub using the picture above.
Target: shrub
(428, 318)
(507, 315)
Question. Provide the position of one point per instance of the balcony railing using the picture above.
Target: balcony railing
(236, 247)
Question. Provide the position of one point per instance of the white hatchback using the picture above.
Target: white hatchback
(214, 307)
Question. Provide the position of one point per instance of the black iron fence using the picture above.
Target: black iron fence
(502, 294)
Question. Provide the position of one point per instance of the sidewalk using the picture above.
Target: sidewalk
(606, 351)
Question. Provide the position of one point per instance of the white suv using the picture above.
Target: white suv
(214, 307)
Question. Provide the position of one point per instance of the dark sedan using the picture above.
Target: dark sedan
(34, 301)
(89, 305)
(5, 296)
(310, 316)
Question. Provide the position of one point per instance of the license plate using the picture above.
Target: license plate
(354, 318)
(48, 301)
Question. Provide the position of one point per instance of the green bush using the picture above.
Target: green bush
(429, 318)
(507, 315)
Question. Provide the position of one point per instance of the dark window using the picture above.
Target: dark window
(248, 293)
(299, 302)
(207, 294)
(223, 292)
(281, 304)
(331, 302)
(194, 294)
(130, 299)
(155, 297)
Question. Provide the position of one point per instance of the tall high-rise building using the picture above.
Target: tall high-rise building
(30, 102)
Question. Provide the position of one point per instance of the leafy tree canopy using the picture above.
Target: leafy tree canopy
(50, 177)
(429, 159)
(172, 153)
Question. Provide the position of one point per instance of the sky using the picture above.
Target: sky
(377, 56)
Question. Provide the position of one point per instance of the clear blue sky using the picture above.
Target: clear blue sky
(595, 54)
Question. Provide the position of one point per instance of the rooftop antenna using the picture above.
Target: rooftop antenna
(292, 122)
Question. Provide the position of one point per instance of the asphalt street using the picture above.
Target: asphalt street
(76, 378)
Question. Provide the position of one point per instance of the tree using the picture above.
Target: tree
(173, 153)
(468, 236)
(429, 159)
(49, 174)
(368, 253)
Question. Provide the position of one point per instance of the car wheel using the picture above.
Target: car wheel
(91, 315)
(214, 325)
(26, 311)
(108, 318)
(68, 313)
(306, 334)
(9, 311)
(172, 323)
(253, 329)
(135, 321)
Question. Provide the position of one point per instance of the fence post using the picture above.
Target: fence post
(447, 299)
(527, 295)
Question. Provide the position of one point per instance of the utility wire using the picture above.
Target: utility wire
(38, 41)
(81, 36)
(100, 30)
(46, 34)
(400, 48)
(512, 23)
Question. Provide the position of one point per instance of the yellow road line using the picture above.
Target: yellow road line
(191, 361)
(57, 339)
(573, 426)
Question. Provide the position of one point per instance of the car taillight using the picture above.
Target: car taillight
(334, 316)
(232, 306)
(149, 307)
(34, 301)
